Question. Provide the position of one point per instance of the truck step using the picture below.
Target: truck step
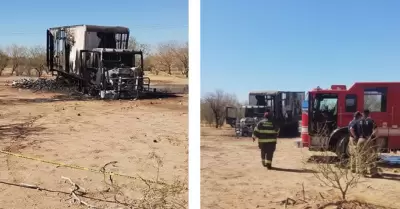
(391, 160)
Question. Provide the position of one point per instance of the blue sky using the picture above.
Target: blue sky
(150, 21)
(297, 45)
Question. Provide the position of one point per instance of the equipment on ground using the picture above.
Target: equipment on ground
(97, 58)
(244, 119)
(327, 113)
(284, 105)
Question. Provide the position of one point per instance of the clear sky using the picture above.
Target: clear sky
(297, 45)
(150, 21)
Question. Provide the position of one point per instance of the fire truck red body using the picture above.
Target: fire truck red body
(335, 107)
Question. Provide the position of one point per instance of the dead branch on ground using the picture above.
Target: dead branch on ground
(77, 191)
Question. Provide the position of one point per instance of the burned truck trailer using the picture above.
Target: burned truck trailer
(98, 59)
(285, 106)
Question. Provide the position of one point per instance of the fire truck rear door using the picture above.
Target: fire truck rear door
(394, 117)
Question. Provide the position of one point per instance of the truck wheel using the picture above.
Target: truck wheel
(341, 148)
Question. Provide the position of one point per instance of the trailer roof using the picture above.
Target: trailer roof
(115, 50)
(97, 28)
(263, 92)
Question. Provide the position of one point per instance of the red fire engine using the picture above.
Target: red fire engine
(334, 108)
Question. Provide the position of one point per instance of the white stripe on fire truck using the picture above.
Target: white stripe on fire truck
(388, 131)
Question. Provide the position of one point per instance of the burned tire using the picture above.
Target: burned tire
(341, 148)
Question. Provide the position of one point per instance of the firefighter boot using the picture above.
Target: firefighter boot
(263, 163)
(268, 164)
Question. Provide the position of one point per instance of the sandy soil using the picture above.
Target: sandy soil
(233, 177)
(89, 134)
(164, 78)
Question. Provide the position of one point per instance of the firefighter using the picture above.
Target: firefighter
(266, 131)
(368, 144)
(354, 135)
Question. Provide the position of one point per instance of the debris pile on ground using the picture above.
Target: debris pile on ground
(45, 84)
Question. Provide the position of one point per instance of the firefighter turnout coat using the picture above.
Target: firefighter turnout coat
(266, 131)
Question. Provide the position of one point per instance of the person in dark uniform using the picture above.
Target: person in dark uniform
(369, 125)
(352, 146)
(368, 144)
(266, 131)
(357, 116)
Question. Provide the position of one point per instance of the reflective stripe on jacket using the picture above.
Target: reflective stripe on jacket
(265, 131)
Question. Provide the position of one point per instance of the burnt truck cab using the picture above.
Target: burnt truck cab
(98, 59)
(114, 72)
(284, 105)
(328, 113)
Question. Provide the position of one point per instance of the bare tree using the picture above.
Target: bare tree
(207, 115)
(168, 57)
(217, 102)
(37, 59)
(17, 55)
(182, 55)
(135, 45)
(148, 61)
(165, 56)
(4, 59)
(150, 64)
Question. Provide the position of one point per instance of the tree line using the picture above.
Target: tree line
(213, 107)
(171, 57)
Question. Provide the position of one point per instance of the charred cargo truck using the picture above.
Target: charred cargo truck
(98, 59)
(285, 106)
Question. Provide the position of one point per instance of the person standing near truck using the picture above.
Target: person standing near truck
(266, 131)
(354, 136)
(368, 144)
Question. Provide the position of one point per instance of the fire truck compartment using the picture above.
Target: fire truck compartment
(390, 159)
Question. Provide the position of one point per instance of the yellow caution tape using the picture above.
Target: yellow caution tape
(78, 167)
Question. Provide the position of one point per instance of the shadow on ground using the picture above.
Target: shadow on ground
(17, 131)
(391, 176)
(351, 204)
(323, 159)
(57, 98)
(293, 170)
(60, 98)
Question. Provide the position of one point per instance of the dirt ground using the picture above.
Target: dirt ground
(139, 135)
(232, 176)
(163, 78)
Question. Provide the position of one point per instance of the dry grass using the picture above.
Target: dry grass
(147, 139)
(232, 177)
